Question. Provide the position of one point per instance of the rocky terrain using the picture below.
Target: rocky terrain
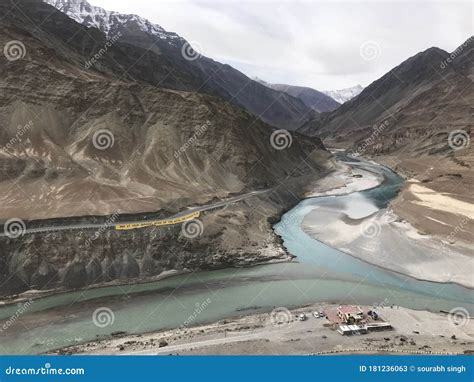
(101, 140)
(415, 332)
(417, 119)
(177, 65)
(414, 97)
(237, 236)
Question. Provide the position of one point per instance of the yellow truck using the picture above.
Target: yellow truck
(157, 223)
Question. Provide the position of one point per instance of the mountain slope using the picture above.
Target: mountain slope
(385, 99)
(193, 71)
(312, 98)
(417, 119)
(92, 144)
(65, 104)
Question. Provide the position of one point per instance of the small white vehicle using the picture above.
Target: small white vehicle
(318, 314)
(301, 317)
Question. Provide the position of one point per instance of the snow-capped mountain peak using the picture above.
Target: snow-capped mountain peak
(344, 95)
(108, 22)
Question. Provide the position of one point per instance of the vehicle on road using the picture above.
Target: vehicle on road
(373, 314)
(302, 317)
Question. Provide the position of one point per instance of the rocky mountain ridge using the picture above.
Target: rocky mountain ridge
(78, 141)
(316, 100)
(344, 95)
(192, 70)
(108, 21)
(417, 119)
(389, 99)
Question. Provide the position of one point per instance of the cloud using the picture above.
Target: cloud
(309, 43)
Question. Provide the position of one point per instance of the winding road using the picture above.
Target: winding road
(177, 218)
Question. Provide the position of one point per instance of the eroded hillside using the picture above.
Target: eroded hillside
(79, 140)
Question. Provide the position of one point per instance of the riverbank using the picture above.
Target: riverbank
(380, 237)
(236, 235)
(320, 273)
(437, 198)
(413, 332)
(344, 180)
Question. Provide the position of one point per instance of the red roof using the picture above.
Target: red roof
(350, 309)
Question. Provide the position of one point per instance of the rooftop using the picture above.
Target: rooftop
(350, 309)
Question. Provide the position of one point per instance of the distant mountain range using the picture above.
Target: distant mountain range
(312, 98)
(177, 66)
(344, 95)
(416, 104)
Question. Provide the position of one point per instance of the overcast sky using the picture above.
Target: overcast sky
(322, 44)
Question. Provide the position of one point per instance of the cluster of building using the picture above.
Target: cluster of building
(352, 319)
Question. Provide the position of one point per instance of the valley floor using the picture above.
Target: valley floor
(414, 332)
(437, 198)
(423, 233)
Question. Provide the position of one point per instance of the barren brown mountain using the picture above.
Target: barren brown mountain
(82, 141)
(176, 65)
(418, 120)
